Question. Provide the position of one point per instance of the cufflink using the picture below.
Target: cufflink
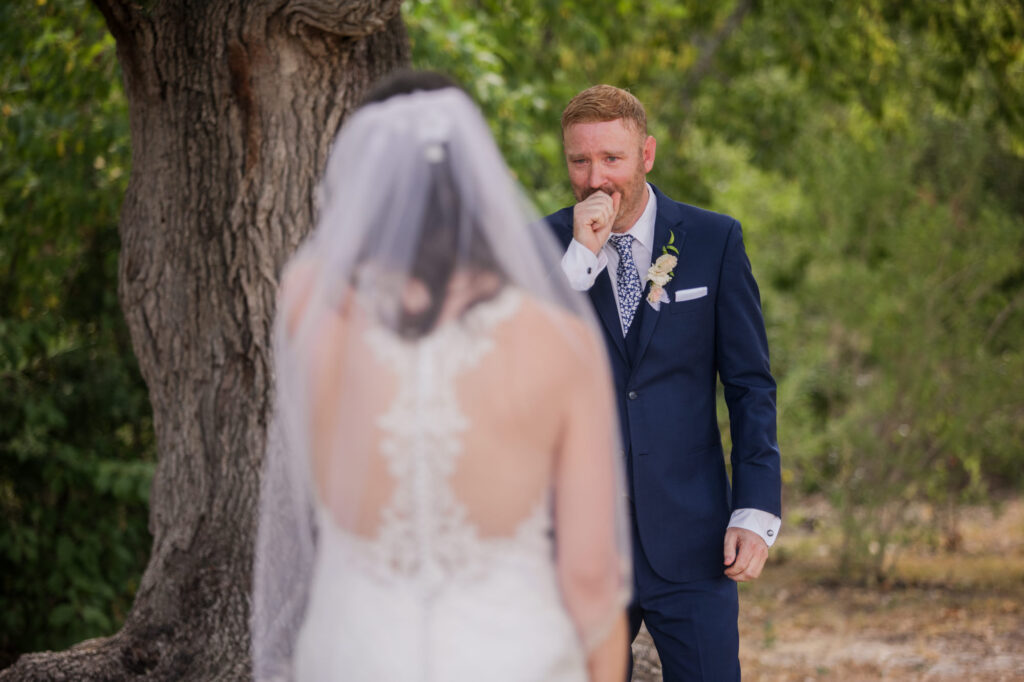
(770, 532)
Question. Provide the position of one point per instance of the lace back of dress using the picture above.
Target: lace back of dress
(422, 523)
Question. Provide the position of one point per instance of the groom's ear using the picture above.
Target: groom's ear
(649, 148)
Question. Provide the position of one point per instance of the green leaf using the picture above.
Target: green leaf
(61, 615)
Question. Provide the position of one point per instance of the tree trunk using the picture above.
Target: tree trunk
(233, 106)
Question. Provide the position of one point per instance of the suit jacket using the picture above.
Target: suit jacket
(665, 388)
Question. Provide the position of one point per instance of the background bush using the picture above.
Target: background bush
(76, 443)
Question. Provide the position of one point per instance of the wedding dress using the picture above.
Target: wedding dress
(440, 498)
(427, 595)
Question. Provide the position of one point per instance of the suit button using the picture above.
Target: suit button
(632, 395)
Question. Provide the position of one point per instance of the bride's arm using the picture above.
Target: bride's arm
(607, 661)
(592, 554)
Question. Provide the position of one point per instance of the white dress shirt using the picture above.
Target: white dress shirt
(582, 267)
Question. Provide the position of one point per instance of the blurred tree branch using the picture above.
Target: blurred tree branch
(708, 48)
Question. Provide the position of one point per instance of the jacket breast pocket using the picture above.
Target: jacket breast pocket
(689, 304)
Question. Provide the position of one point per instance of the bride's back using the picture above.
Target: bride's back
(473, 409)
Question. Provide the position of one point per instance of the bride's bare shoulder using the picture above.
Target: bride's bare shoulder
(559, 333)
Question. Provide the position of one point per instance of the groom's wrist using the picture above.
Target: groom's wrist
(581, 266)
(765, 524)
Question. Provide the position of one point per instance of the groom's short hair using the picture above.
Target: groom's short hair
(605, 103)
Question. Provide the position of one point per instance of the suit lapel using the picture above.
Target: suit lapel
(603, 298)
(665, 222)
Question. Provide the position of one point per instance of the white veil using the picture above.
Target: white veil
(421, 226)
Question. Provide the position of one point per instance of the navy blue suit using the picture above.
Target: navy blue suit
(665, 374)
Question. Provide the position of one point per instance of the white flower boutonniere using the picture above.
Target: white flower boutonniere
(661, 272)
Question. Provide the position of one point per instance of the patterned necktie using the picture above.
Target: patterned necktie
(627, 279)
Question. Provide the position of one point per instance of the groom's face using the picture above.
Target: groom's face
(610, 156)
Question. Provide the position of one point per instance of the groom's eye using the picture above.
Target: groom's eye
(611, 159)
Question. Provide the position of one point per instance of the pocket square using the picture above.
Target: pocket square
(690, 294)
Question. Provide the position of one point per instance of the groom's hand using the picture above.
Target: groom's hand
(744, 554)
(593, 217)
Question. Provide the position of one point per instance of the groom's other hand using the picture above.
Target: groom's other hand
(744, 555)
(593, 217)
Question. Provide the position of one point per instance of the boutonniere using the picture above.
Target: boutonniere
(661, 273)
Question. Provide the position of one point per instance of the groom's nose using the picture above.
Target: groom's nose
(596, 178)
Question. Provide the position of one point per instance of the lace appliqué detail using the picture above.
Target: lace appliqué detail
(425, 534)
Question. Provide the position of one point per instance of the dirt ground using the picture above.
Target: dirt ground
(943, 616)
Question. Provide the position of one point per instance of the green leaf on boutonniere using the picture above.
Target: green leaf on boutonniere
(671, 240)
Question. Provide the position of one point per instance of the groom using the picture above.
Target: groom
(694, 535)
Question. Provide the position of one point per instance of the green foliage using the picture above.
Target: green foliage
(76, 443)
(874, 152)
(904, 389)
(522, 62)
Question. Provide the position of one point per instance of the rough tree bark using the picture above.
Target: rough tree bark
(233, 106)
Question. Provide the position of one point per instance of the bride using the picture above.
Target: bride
(440, 497)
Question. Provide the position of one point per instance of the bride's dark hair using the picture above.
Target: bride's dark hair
(450, 241)
(406, 81)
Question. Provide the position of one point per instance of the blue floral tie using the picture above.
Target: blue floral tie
(627, 279)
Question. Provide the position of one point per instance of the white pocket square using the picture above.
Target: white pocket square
(690, 294)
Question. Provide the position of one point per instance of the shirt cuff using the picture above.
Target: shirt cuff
(755, 520)
(581, 266)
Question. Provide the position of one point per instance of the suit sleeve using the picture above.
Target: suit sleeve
(743, 367)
